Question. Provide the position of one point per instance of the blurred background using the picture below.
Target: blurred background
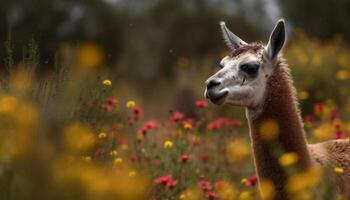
(82, 82)
(160, 52)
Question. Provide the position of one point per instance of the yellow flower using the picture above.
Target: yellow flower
(168, 144)
(143, 150)
(102, 135)
(267, 189)
(304, 180)
(338, 170)
(245, 195)
(288, 159)
(124, 147)
(244, 180)
(21, 80)
(78, 137)
(303, 95)
(182, 196)
(113, 153)
(139, 137)
(118, 161)
(130, 104)
(107, 82)
(87, 158)
(225, 190)
(316, 60)
(90, 55)
(269, 130)
(187, 126)
(342, 75)
(132, 174)
(238, 150)
(8, 104)
(324, 131)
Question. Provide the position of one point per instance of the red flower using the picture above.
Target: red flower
(204, 157)
(167, 181)
(189, 123)
(176, 116)
(340, 134)
(211, 195)
(251, 181)
(224, 122)
(201, 103)
(184, 158)
(309, 118)
(318, 108)
(131, 120)
(223, 149)
(112, 101)
(138, 112)
(163, 179)
(205, 186)
(99, 152)
(147, 126)
(171, 184)
(106, 107)
(133, 158)
(335, 114)
(151, 124)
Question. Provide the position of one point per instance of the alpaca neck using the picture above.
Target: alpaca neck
(280, 107)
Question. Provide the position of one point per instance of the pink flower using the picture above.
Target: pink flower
(204, 157)
(318, 108)
(252, 181)
(335, 114)
(205, 186)
(340, 134)
(99, 152)
(147, 126)
(138, 112)
(151, 124)
(309, 118)
(176, 116)
(166, 181)
(163, 179)
(224, 122)
(184, 158)
(106, 107)
(201, 103)
(112, 101)
(211, 195)
(171, 184)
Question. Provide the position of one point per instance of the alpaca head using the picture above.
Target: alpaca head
(243, 75)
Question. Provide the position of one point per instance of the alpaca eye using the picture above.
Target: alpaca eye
(250, 68)
(221, 66)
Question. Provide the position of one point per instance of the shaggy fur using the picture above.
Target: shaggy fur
(281, 105)
(255, 47)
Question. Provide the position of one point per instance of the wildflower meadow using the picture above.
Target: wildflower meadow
(70, 135)
(104, 99)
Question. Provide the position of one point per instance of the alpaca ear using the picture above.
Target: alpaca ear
(277, 39)
(231, 40)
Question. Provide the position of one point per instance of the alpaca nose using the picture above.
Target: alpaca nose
(212, 83)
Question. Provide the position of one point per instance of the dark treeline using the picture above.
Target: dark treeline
(135, 34)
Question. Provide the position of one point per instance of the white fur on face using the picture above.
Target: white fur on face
(242, 89)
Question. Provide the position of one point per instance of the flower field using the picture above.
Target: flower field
(79, 132)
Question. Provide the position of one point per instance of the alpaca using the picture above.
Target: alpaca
(257, 77)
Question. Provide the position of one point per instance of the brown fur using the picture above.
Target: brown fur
(331, 154)
(281, 106)
(256, 46)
